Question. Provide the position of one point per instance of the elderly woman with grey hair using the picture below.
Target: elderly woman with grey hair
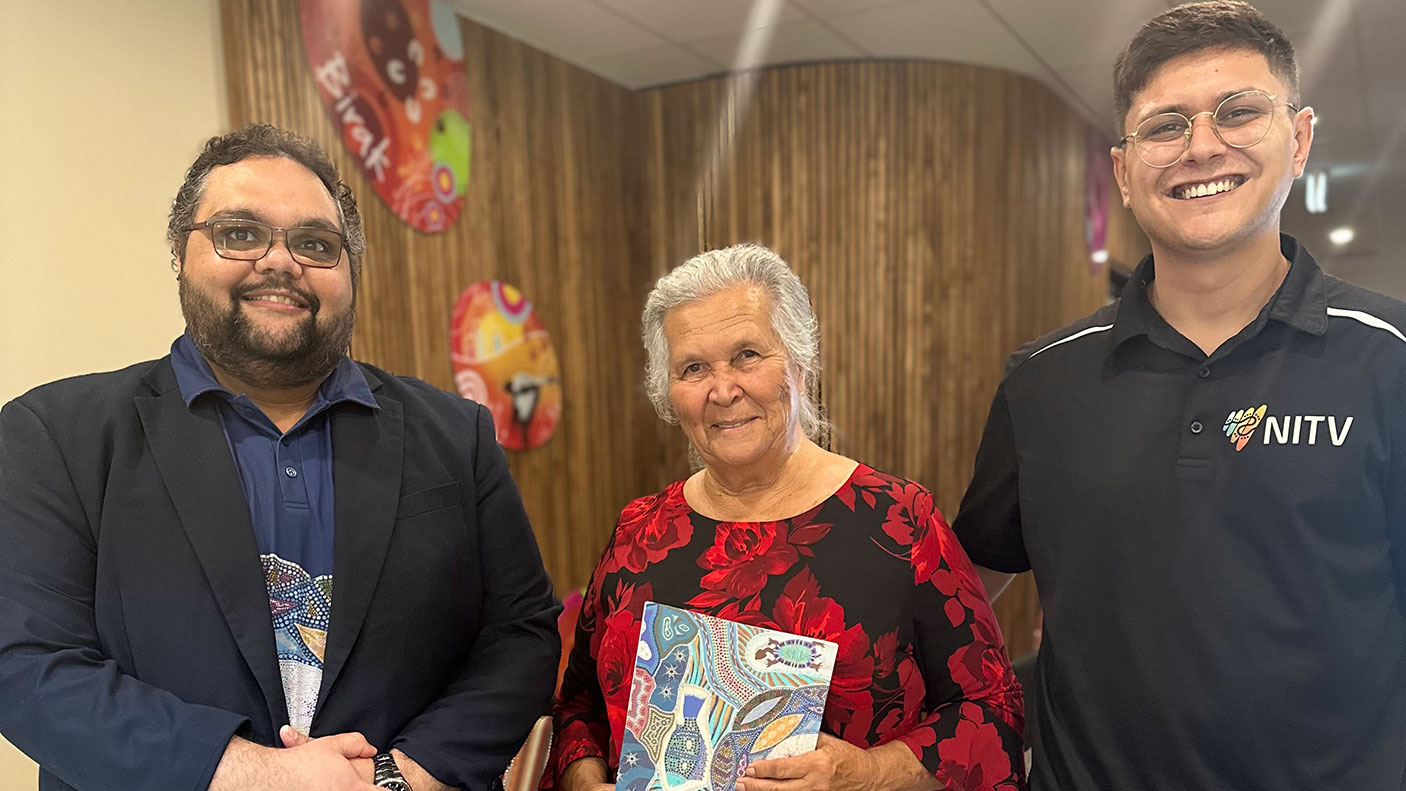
(774, 530)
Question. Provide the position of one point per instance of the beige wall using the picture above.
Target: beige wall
(102, 107)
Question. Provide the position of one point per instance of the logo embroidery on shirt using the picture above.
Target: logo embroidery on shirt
(1240, 424)
(1290, 429)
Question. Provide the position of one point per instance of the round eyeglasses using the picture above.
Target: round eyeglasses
(1240, 121)
(251, 240)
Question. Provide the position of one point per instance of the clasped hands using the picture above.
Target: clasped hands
(352, 747)
(339, 762)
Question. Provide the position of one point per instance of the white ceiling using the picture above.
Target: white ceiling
(1352, 70)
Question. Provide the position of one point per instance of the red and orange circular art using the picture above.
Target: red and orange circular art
(503, 358)
(391, 74)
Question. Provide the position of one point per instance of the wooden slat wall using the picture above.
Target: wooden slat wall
(934, 210)
(552, 207)
(1127, 244)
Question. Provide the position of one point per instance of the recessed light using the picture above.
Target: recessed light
(1341, 236)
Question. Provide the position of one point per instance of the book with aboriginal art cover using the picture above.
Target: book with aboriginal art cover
(710, 696)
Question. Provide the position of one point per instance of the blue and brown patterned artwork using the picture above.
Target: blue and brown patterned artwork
(710, 697)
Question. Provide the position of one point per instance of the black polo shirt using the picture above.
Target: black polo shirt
(1219, 542)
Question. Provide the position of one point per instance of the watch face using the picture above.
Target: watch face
(394, 785)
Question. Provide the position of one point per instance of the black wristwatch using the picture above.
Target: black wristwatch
(387, 774)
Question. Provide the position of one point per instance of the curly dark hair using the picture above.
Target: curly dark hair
(264, 140)
(1194, 27)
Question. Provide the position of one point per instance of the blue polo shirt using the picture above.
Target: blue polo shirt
(287, 481)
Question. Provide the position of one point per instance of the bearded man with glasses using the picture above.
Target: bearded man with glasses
(170, 533)
(1208, 477)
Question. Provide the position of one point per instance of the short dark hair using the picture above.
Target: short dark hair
(1195, 27)
(264, 140)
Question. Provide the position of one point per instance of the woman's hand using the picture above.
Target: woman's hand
(834, 765)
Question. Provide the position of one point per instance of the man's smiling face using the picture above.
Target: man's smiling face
(274, 321)
(1216, 197)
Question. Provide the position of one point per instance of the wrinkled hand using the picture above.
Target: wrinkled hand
(834, 765)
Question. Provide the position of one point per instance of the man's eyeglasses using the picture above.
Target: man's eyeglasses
(1240, 121)
(250, 240)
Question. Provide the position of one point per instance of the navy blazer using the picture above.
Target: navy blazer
(135, 635)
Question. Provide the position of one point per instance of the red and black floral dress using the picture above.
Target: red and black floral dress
(874, 568)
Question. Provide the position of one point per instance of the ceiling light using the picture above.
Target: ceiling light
(1341, 236)
(1100, 256)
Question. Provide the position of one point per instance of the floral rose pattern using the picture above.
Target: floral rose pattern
(874, 569)
(648, 528)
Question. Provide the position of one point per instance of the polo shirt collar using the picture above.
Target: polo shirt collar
(195, 378)
(1300, 302)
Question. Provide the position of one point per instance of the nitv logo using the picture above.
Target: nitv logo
(1240, 426)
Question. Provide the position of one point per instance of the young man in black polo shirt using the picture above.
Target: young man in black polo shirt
(1208, 477)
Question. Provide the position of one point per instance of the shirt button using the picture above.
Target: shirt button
(1204, 372)
(292, 473)
(1195, 429)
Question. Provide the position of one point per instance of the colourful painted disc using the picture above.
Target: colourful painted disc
(503, 358)
(391, 73)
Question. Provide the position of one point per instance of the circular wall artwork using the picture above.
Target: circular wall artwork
(391, 74)
(503, 358)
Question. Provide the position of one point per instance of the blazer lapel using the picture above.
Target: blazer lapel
(193, 458)
(366, 469)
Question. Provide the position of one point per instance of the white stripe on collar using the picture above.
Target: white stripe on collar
(1080, 334)
(1368, 319)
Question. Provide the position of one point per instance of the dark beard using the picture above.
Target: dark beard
(230, 343)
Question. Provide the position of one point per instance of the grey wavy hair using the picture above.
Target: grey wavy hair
(792, 319)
